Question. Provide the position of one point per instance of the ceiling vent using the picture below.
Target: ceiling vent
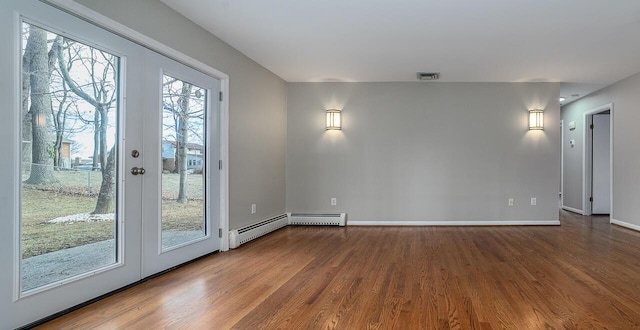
(427, 75)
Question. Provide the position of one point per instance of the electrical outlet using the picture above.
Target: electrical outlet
(510, 201)
(533, 201)
(253, 209)
(334, 201)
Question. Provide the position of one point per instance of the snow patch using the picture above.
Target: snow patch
(83, 217)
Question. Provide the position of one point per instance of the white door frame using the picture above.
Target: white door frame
(122, 30)
(561, 163)
(587, 159)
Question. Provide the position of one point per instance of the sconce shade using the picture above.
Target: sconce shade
(333, 119)
(536, 119)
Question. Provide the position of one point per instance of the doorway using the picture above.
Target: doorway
(598, 161)
(111, 162)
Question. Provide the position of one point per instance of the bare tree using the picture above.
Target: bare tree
(181, 130)
(100, 67)
(99, 92)
(105, 196)
(65, 110)
(182, 104)
(59, 115)
(38, 59)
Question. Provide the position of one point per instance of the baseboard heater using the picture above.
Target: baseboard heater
(306, 219)
(242, 235)
(251, 232)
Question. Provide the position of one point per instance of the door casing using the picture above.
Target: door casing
(587, 154)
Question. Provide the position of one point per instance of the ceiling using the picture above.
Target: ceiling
(584, 44)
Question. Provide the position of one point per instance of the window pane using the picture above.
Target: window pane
(183, 161)
(69, 129)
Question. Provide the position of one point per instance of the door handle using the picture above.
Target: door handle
(137, 170)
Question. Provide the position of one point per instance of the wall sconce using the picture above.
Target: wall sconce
(333, 119)
(536, 119)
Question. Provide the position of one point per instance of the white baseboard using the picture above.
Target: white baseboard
(456, 223)
(625, 224)
(571, 209)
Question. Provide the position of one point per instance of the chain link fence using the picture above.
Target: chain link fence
(81, 180)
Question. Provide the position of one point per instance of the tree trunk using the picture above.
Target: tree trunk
(104, 123)
(176, 160)
(96, 141)
(105, 196)
(182, 138)
(26, 116)
(59, 122)
(42, 168)
(57, 145)
(176, 124)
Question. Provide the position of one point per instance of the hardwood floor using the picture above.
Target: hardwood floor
(582, 274)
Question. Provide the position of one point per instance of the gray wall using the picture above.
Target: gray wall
(424, 151)
(257, 104)
(625, 96)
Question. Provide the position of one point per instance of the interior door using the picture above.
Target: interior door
(90, 204)
(601, 185)
(180, 187)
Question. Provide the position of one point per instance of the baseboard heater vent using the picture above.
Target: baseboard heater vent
(305, 219)
(242, 235)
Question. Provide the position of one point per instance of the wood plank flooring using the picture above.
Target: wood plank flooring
(583, 274)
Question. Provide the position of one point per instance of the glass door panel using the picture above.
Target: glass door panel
(180, 187)
(69, 131)
(183, 141)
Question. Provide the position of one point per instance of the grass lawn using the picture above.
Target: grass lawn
(40, 236)
(39, 205)
(182, 217)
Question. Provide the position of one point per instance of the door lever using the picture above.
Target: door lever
(137, 170)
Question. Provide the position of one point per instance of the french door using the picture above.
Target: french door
(113, 168)
(180, 143)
